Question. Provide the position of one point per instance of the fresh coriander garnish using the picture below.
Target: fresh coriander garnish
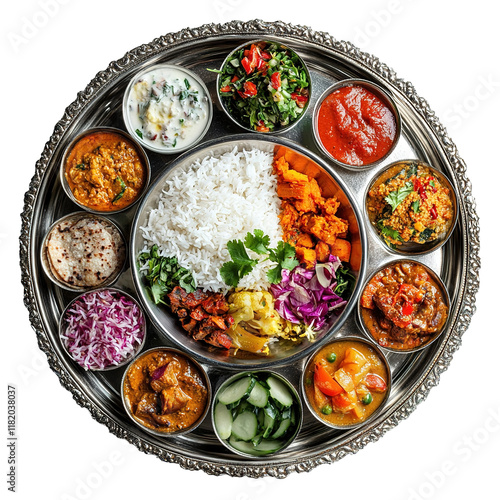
(398, 196)
(241, 264)
(138, 132)
(284, 256)
(163, 274)
(258, 241)
(388, 231)
(123, 187)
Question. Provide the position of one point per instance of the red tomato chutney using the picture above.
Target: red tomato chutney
(355, 126)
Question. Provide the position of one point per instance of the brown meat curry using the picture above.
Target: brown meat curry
(165, 391)
(403, 307)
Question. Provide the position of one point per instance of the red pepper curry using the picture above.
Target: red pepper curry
(356, 126)
(403, 307)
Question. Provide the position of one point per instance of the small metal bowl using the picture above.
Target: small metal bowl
(46, 265)
(307, 372)
(127, 137)
(411, 248)
(298, 407)
(203, 374)
(379, 92)
(222, 101)
(126, 109)
(440, 285)
(139, 347)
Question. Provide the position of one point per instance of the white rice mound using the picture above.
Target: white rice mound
(210, 203)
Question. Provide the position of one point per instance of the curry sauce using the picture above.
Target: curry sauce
(403, 306)
(165, 391)
(104, 172)
(346, 382)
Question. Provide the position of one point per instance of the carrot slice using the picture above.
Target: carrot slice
(325, 382)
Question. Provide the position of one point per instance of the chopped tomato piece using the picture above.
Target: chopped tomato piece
(261, 127)
(325, 382)
(375, 383)
(298, 97)
(265, 55)
(276, 80)
(234, 79)
(246, 65)
(249, 90)
(226, 88)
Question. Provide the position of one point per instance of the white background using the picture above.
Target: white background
(449, 447)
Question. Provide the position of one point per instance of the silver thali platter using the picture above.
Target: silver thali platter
(329, 60)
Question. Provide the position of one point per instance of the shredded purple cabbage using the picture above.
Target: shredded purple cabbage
(103, 328)
(307, 295)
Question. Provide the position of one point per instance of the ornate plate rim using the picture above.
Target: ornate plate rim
(469, 216)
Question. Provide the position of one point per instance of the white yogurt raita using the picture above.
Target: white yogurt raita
(168, 109)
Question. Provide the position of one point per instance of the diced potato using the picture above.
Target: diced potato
(293, 190)
(319, 227)
(305, 240)
(342, 249)
(306, 255)
(322, 251)
(344, 379)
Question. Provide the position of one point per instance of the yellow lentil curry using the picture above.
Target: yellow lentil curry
(411, 205)
(105, 172)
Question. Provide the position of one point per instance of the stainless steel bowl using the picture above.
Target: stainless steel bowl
(379, 92)
(45, 261)
(126, 114)
(380, 355)
(141, 153)
(222, 101)
(331, 184)
(113, 291)
(442, 288)
(298, 406)
(180, 432)
(411, 248)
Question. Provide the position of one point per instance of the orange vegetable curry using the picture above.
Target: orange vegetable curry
(346, 382)
(105, 172)
(308, 219)
(165, 391)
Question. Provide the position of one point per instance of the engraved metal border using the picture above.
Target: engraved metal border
(466, 309)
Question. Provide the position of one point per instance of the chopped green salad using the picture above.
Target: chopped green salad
(265, 86)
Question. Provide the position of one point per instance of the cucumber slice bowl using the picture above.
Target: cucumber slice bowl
(256, 414)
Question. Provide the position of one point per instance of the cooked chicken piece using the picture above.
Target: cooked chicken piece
(165, 376)
(147, 405)
(172, 399)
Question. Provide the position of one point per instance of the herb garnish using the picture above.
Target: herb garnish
(284, 256)
(416, 206)
(123, 189)
(396, 197)
(345, 282)
(81, 166)
(138, 132)
(164, 273)
(241, 264)
(388, 232)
